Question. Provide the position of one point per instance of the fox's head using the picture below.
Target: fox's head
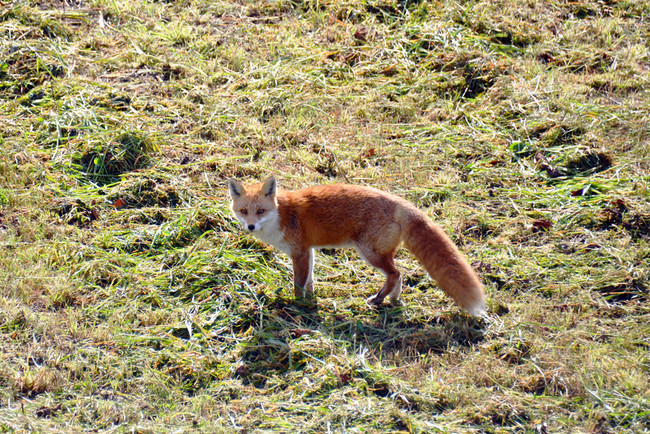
(254, 204)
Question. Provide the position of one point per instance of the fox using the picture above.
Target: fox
(372, 221)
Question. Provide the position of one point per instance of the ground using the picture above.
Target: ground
(130, 300)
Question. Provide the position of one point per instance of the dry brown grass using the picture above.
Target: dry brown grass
(131, 301)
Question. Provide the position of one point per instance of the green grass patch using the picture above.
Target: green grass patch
(130, 300)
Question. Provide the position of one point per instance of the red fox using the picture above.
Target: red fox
(370, 220)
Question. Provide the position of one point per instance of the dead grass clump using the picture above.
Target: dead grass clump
(551, 382)
(514, 351)
(589, 162)
(634, 290)
(16, 319)
(103, 272)
(639, 226)
(146, 191)
(618, 213)
(23, 70)
(105, 162)
(495, 21)
(501, 411)
(580, 164)
(262, 360)
(477, 81)
(477, 229)
(34, 381)
(62, 297)
(45, 21)
(556, 134)
(76, 213)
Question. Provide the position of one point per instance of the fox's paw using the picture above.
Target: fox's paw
(374, 301)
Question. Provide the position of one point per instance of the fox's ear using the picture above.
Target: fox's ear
(235, 187)
(269, 187)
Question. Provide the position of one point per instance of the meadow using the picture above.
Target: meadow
(132, 301)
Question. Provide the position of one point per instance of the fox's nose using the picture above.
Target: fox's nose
(251, 227)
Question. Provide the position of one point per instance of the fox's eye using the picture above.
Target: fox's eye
(243, 211)
(261, 211)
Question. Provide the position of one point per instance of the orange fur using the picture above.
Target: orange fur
(372, 221)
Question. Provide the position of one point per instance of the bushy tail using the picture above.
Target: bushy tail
(445, 264)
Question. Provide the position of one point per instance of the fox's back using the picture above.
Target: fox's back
(340, 213)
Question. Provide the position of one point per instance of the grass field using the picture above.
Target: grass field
(130, 300)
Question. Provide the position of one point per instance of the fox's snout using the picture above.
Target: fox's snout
(252, 224)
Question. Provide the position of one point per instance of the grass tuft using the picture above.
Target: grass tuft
(103, 163)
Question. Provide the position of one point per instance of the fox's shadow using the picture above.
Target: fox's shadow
(381, 333)
(389, 330)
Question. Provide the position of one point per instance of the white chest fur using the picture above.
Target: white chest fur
(271, 233)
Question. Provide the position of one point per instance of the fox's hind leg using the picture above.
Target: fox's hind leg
(386, 263)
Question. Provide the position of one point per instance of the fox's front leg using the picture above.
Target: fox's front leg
(303, 277)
